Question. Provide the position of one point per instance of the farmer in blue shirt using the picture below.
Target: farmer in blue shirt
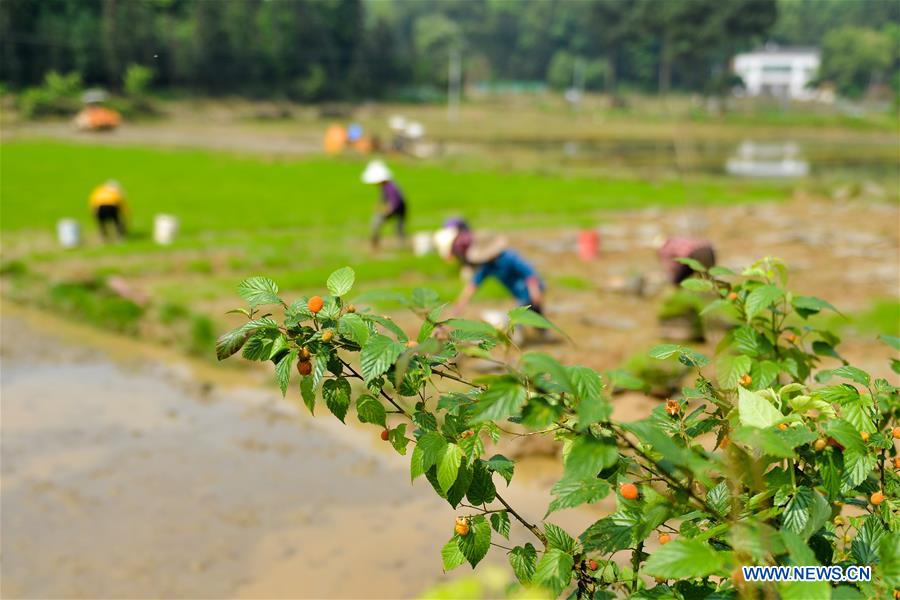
(490, 258)
(393, 203)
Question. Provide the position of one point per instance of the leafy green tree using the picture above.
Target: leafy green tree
(750, 466)
(855, 58)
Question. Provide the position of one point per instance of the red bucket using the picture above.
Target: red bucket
(588, 244)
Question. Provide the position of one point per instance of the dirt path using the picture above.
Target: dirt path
(127, 475)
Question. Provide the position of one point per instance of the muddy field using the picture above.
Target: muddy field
(127, 473)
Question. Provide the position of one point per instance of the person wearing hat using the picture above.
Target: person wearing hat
(489, 257)
(394, 205)
(108, 205)
(673, 248)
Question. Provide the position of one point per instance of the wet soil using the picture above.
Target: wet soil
(127, 475)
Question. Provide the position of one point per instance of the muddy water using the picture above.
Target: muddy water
(124, 477)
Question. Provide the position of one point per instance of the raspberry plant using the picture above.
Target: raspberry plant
(774, 460)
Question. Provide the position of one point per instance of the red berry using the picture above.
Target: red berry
(664, 538)
(385, 434)
(304, 367)
(592, 565)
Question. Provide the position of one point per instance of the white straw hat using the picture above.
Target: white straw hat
(376, 172)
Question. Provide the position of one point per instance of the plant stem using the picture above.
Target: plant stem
(532, 528)
(446, 375)
(383, 394)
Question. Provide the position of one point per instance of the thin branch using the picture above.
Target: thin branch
(532, 528)
(446, 375)
(383, 394)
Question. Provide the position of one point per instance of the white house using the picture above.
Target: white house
(779, 72)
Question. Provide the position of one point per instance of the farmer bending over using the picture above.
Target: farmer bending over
(489, 258)
(108, 204)
(394, 206)
(671, 249)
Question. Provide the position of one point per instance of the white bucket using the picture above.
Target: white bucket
(68, 232)
(422, 243)
(164, 229)
(495, 318)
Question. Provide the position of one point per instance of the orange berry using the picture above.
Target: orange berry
(724, 443)
(864, 435)
(664, 538)
(315, 304)
(461, 527)
(304, 367)
(592, 565)
(385, 434)
(820, 445)
(351, 308)
(327, 335)
(791, 337)
(629, 491)
(672, 407)
(737, 577)
(897, 462)
(411, 343)
(896, 433)
(733, 296)
(746, 380)
(876, 498)
(304, 354)
(782, 426)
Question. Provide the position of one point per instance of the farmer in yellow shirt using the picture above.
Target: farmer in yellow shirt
(108, 205)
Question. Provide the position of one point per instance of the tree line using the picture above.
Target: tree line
(312, 50)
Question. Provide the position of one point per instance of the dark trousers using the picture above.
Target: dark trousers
(380, 219)
(110, 216)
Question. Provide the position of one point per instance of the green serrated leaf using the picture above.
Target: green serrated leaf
(259, 290)
(448, 466)
(501, 400)
(664, 351)
(353, 327)
(693, 284)
(554, 569)
(684, 558)
(475, 544)
(502, 466)
(451, 555)
(760, 299)
(571, 493)
(730, 369)
(308, 393)
(610, 534)
(500, 523)
(755, 411)
(341, 281)
(853, 374)
(523, 560)
(588, 456)
(336, 394)
(807, 306)
(864, 547)
(370, 410)
(481, 489)
(398, 439)
(523, 315)
(557, 537)
(377, 356)
(283, 370)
